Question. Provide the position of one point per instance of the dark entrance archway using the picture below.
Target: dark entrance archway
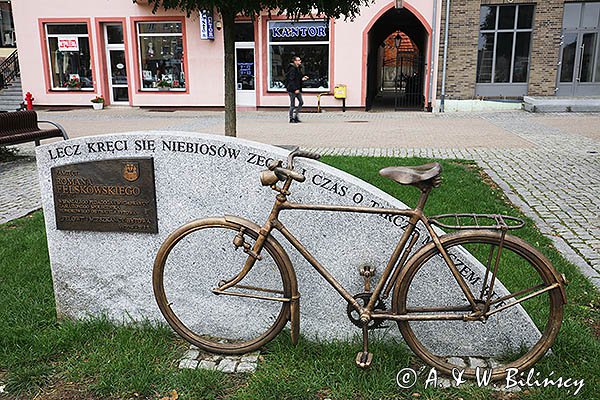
(396, 50)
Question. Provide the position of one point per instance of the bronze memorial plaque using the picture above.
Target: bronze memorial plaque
(106, 196)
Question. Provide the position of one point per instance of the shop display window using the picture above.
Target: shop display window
(161, 55)
(69, 56)
(504, 43)
(307, 39)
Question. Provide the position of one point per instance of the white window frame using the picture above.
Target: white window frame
(139, 55)
(78, 35)
(298, 43)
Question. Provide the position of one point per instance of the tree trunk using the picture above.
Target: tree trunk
(229, 43)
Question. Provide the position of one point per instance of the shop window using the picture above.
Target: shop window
(244, 31)
(308, 40)
(7, 27)
(504, 44)
(161, 55)
(69, 54)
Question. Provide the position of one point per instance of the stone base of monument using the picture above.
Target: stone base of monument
(244, 363)
(110, 202)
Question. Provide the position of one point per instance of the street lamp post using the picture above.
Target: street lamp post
(397, 41)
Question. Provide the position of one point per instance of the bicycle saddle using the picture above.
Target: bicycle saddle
(412, 175)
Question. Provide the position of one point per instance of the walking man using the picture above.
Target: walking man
(294, 78)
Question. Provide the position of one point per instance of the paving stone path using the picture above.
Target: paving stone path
(194, 359)
(556, 183)
(547, 164)
(19, 189)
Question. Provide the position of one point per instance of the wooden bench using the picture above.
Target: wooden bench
(22, 127)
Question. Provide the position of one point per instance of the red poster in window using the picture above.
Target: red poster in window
(68, 43)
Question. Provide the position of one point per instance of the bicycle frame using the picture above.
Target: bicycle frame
(367, 312)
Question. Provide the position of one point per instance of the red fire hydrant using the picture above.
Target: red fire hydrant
(29, 99)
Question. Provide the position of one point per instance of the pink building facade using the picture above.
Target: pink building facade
(122, 51)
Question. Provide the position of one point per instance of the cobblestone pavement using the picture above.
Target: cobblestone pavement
(244, 363)
(548, 164)
(19, 189)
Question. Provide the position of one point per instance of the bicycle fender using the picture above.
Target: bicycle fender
(294, 317)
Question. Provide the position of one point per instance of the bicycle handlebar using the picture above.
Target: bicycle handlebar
(307, 154)
(300, 153)
(284, 173)
(277, 172)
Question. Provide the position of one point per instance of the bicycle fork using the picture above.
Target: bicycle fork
(253, 253)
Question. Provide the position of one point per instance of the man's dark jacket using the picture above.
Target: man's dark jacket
(294, 78)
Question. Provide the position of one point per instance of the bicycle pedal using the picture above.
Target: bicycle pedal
(364, 359)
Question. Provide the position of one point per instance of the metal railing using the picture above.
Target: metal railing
(9, 69)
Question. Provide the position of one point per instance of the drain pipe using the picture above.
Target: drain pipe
(432, 57)
(443, 97)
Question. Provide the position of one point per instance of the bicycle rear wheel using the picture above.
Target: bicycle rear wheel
(193, 260)
(451, 344)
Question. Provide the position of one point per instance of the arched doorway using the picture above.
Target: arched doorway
(396, 74)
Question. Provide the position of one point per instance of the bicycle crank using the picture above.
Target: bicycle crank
(363, 300)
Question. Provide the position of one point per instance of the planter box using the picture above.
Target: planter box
(98, 106)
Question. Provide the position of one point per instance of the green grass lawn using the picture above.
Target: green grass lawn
(96, 359)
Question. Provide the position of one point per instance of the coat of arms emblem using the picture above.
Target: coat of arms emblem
(131, 171)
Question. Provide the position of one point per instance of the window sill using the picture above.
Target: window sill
(65, 90)
(304, 90)
(501, 89)
(182, 90)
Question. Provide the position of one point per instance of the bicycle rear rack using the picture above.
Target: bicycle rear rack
(477, 221)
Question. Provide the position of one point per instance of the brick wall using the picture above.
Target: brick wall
(463, 37)
(545, 47)
(462, 45)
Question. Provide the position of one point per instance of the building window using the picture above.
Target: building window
(504, 43)
(307, 39)
(244, 31)
(69, 54)
(161, 55)
(7, 27)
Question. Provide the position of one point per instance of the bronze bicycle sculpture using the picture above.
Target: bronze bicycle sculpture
(245, 266)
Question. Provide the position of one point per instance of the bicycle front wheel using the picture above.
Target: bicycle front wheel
(194, 260)
(507, 339)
